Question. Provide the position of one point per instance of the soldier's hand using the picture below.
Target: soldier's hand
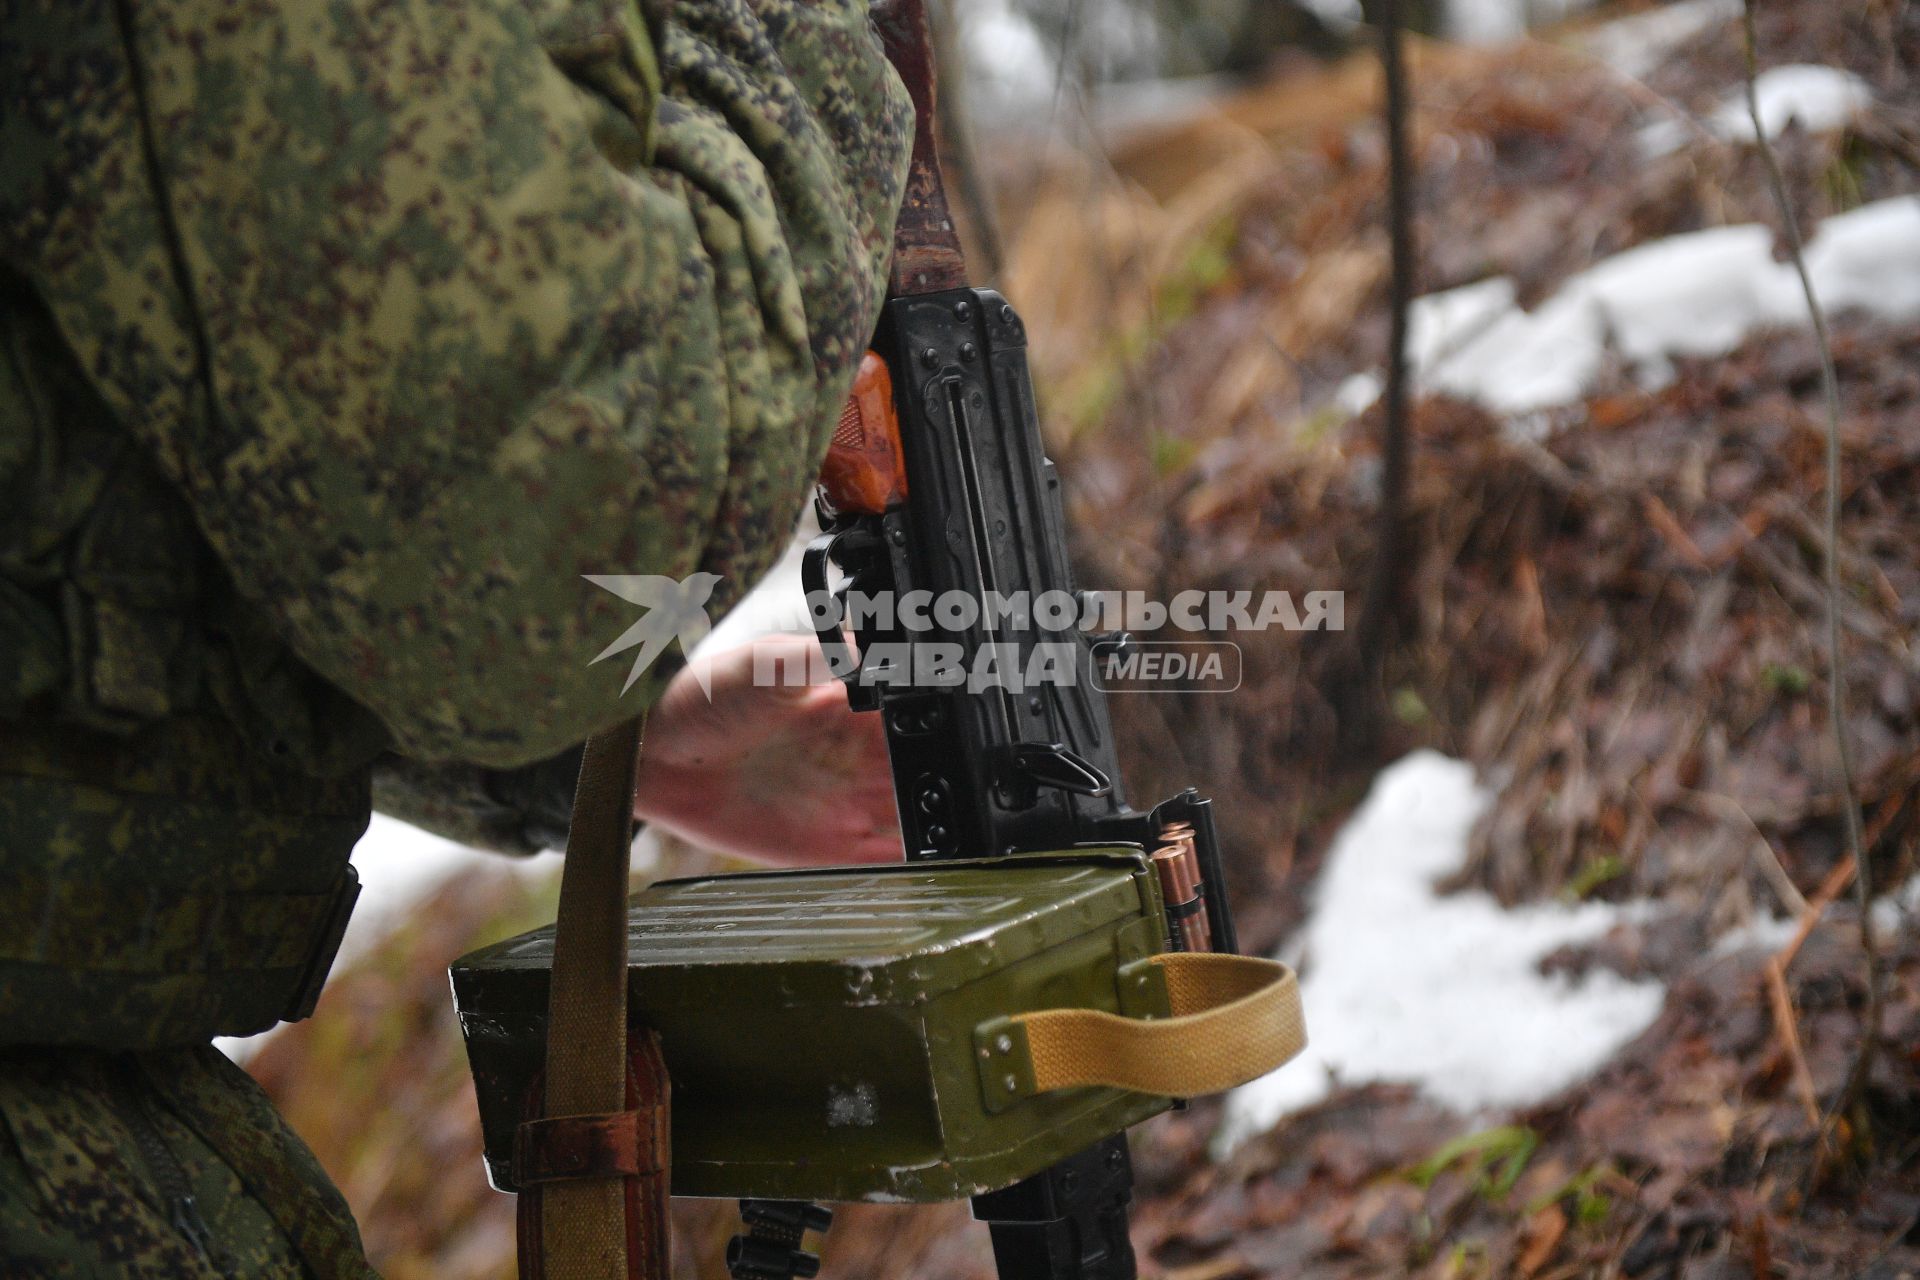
(783, 773)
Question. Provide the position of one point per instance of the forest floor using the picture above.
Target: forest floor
(1612, 610)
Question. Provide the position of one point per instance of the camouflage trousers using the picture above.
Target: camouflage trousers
(161, 1164)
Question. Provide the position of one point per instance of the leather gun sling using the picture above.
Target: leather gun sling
(593, 1162)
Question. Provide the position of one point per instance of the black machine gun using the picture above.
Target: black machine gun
(938, 483)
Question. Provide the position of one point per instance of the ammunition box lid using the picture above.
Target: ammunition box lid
(852, 935)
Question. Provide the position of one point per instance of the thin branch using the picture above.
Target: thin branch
(1765, 857)
(1788, 1030)
(1850, 1097)
(1385, 598)
(1832, 887)
(1067, 39)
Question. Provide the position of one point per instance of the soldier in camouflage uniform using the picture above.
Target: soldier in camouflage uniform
(341, 338)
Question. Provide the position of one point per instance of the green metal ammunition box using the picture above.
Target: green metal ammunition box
(837, 1034)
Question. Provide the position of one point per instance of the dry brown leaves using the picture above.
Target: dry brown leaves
(1685, 1158)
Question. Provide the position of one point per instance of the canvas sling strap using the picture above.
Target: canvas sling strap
(1233, 1019)
(593, 1165)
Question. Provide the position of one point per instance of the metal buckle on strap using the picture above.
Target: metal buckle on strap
(326, 945)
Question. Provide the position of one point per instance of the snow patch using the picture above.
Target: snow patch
(1440, 324)
(1401, 984)
(1357, 392)
(1700, 294)
(1014, 75)
(1868, 258)
(1762, 933)
(1008, 61)
(1696, 294)
(1818, 98)
(1892, 912)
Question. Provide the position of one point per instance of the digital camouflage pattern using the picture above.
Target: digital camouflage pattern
(97, 1149)
(161, 887)
(439, 312)
(338, 340)
(419, 334)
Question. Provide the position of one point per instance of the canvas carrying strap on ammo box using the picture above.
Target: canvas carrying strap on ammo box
(1234, 1018)
(592, 1159)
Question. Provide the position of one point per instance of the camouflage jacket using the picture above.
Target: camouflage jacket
(341, 338)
